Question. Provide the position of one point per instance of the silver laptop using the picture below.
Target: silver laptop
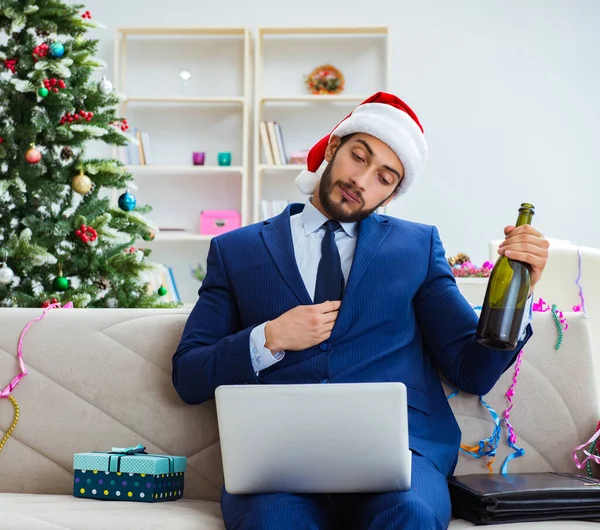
(314, 438)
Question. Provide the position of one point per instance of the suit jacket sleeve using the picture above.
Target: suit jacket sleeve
(214, 350)
(448, 325)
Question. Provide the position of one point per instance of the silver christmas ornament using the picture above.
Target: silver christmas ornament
(105, 86)
(6, 274)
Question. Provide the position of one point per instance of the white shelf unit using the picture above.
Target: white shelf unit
(210, 112)
(282, 57)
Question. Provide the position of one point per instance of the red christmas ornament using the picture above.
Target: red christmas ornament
(121, 124)
(51, 84)
(39, 52)
(32, 155)
(11, 64)
(1, 140)
(77, 116)
(87, 14)
(86, 234)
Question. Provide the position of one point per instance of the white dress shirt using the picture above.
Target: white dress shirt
(307, 234)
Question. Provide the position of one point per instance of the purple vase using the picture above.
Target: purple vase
(198, 158)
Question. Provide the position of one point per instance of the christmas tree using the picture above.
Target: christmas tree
(61, 239)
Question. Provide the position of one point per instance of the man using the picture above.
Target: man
(332, 292)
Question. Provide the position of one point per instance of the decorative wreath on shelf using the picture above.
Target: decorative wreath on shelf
(325, 79)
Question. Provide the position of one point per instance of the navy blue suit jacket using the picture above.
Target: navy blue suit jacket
(402, 318)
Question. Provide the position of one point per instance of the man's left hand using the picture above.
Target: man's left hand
(524, 243)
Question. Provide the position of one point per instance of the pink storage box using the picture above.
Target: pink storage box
(215, 222)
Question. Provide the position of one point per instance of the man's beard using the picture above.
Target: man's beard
(335, 210)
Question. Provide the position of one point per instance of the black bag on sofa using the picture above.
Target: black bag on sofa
(523, 497)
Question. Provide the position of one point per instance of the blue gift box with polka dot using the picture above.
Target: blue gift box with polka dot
(128, 474)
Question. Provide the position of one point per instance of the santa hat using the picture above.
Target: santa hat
(388, 119)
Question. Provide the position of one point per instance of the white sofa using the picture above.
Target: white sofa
(102, 378)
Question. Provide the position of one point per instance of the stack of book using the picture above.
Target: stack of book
(140, 154)
(272, 143)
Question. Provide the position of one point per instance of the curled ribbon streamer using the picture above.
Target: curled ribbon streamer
(590, 456)
(509, 395)
(489, 446)
(454, 391)
(518, 451)
(512, 437)
(594, 451)
(581, 306)
(543, 307)
(11, 386)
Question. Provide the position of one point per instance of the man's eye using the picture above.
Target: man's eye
(356, 157)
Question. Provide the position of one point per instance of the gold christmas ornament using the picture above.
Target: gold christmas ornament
(81, 183)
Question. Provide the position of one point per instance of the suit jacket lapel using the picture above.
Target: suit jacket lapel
(277, 236)
(371, 235)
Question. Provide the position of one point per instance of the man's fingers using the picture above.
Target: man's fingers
(327, 330)
(525, 257)
(523, 229)
(523, 247)
(330, 317)
(525, 239)
(329, 305)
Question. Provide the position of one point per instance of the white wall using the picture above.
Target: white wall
(507, 91)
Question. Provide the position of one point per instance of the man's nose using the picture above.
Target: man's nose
(360, 179)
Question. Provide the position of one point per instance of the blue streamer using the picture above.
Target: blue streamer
(518, 451)
(488, 446)
(455, 391)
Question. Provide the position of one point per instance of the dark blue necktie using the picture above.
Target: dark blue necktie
(330, 280)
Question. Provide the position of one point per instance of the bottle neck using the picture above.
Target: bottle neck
(525, 217)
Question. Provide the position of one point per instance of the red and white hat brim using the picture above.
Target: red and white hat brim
(392, 126)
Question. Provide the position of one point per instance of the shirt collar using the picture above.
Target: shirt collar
(313, 219)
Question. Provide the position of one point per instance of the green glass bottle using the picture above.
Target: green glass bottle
(506, 297)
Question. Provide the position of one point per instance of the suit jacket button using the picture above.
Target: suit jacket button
(325, 346)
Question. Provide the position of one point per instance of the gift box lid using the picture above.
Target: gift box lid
(220, 214)
(130, 460)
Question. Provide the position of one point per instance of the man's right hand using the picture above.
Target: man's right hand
(302, 327)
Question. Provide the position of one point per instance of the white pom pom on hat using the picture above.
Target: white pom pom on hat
(387, 118)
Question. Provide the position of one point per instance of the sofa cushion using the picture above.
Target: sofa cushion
(54, 512)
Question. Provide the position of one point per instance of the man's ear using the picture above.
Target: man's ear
(332, 146)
